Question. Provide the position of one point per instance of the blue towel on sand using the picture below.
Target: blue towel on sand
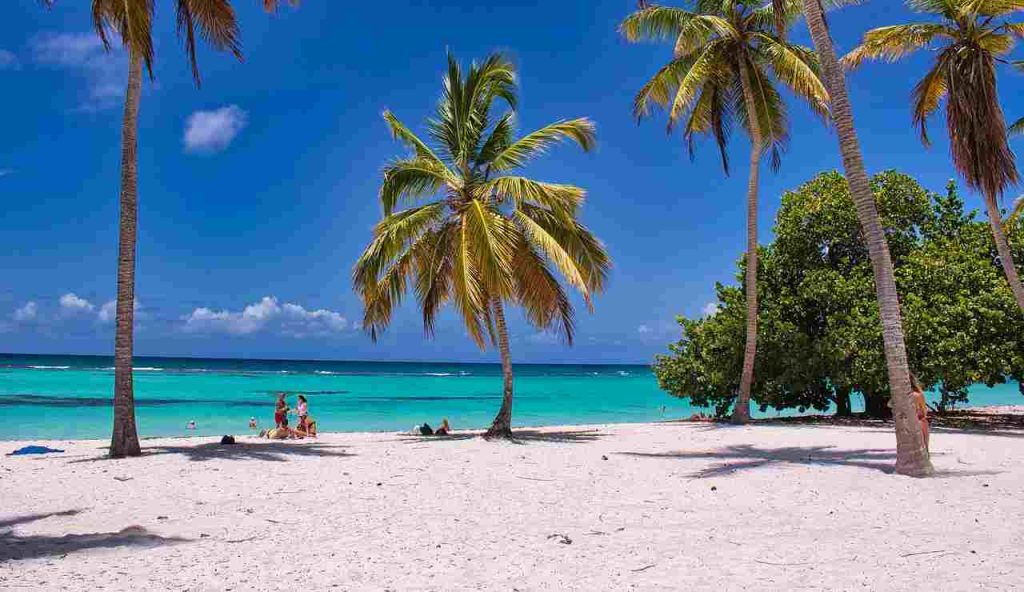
(33, 450)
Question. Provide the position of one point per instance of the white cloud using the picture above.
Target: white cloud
(28, 312)
(213, 131)
(710, 309)
(71, 304)
(8, 61)
(83, 53)
(267, 314)
(108, 312)
(643, 329)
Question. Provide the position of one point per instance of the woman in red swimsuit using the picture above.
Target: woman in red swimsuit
(281, 412)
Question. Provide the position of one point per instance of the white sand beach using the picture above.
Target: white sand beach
(609, 507)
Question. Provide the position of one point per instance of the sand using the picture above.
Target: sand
(609, 507)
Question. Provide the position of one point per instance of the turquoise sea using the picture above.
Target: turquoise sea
(69, 397)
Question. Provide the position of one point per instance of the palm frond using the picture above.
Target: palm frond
(403, 134)
(894, 42)
(132, 21)
(797, 67)
(216, 22)
(540, 295)
(1017, 127)
(411, 179)
(581, 130)
(563, 199)
(929, 92)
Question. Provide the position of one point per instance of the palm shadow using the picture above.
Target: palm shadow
(270, 450)
(15, 547)
(526, 436)
(741, 457)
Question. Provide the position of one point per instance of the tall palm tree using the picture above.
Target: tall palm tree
(724, 67)
(912, 456)
(968, 39)
(132, 22)
(484, 237)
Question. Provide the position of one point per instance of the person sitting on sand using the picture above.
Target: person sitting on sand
(281, 412)
(444, 430)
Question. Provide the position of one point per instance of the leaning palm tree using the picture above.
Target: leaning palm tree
(132, 21)
(912, 456)
(724, 68)
(969, 37)
(475, 234)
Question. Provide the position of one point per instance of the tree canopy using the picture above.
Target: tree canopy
(820, 334)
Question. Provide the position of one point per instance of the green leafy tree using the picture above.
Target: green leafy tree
(725, 67)
(970, 37)
(820, 317)
(475, 234)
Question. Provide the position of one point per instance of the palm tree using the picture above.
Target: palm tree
(483, 238)
(724, 68)
(912, 456)
(132, 21)
(970, 37)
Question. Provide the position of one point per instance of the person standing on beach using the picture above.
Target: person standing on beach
(281, 412)
(917, 393)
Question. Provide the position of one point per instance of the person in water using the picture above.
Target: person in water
(917, 394)
(191, 425)
(302, 411)
(281, 412)
(252, 423)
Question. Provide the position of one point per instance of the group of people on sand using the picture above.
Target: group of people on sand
(305, 424)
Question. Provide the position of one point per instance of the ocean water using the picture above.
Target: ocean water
(69, 397)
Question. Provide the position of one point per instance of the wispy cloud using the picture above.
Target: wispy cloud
(710, 309)
(213, 131)
(644, 329)
(8, 61)
(26, 313)
(83, 54)
(266, 315)
(5, 172)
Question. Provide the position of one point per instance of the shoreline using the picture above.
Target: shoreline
(795, 420)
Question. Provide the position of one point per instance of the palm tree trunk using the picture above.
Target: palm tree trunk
(995, 219)
(741, 410)
(912, 456)
(501, 427)
(125, 439)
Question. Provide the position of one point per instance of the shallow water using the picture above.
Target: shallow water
(65, 397)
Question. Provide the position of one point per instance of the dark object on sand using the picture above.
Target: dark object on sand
(426, 430)
(33, 450)
(226, 440)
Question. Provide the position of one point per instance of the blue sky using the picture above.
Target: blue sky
(259, 189)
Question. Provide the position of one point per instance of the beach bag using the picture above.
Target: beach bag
(227, 440)
(426, 430)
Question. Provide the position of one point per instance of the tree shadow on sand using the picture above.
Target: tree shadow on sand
(15, 547)
(527, 436)
(271, 450)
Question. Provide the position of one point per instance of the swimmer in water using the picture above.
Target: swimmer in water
(191, 424)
